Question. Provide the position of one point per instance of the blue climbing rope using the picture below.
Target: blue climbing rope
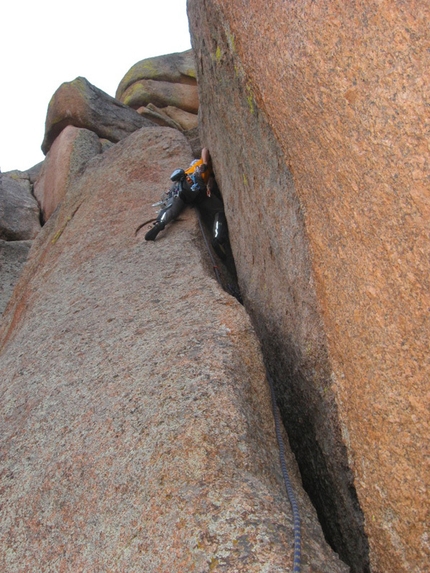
(291, 496)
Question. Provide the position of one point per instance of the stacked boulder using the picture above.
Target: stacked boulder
(82, 122)
(163, 89)
(19, 225)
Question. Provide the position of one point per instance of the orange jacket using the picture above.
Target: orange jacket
(194, 165)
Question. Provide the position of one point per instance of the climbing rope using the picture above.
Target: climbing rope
(288, 486)
(143, 224)
(297, 555)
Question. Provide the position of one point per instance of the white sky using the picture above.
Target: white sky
(44, 43)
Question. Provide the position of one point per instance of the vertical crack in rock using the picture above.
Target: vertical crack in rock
(135, 418)
(269, 241)
(344, 88)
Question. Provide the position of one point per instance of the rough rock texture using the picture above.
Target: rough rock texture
(178, 68)
(329, 212)
(273, 262)
(193, 138)
(34, 172)
(81, 104)
(13, 255)
(170, 116)
(106, 144)
(162, 94)
(185, 119)
(168, 82)
(67, 159)
(136, 431)
(19, 211)
(158, 116)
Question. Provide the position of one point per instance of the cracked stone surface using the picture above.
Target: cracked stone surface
(135, 421)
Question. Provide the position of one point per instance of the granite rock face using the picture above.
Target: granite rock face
(170, 116)
(19, 211)
(325, 174)
(13, 255)
(167, 82)
(81, 104)
(66, 159)
(135, 421)
(34, 172)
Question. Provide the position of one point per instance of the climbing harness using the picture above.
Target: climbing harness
(288, 486)
(165, 201)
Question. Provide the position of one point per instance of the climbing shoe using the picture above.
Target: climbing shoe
(152, 233)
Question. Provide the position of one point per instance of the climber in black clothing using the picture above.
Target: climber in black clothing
(196, 187)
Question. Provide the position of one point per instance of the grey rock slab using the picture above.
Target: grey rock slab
(19, 210)
(13, 255)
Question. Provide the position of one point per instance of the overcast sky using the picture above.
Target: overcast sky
(44, 43)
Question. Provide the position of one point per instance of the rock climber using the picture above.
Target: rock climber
(197, 187)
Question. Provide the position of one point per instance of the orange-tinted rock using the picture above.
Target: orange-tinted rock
(66, 160)
(328, 211)
(81, 104)
(135, 422)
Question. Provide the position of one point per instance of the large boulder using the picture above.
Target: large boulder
(167, 82)
(178, 68)
(162, 94)
(67, 159)
(19, 210)
(81, 104)
(328, 210)
(135, 421)
(158, 116)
